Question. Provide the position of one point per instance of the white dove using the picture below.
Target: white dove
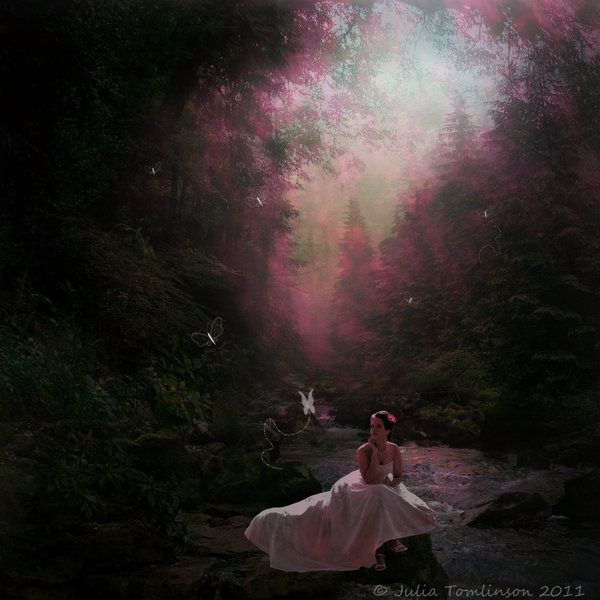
(308, 404)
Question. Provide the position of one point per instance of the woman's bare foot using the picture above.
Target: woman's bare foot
(396, 546)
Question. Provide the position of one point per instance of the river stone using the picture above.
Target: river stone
(569, 457)
(580, 500)
(111, 547)
(248, 573)
(588, 450)
(511, 509)
(225, 540)
(533, 458)
(416, 568)
(187, 579)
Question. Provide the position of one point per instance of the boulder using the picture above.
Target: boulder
(262, 484)
(588, 451)
(415, 569)
(17, 490)
(511, 509)
(200, 434)
(162, 455)
(110, 547)
(580, 500)
(569, 457)
(224, 540)
(230, 567)
(533, 458)
(248, 574)
(71, 555)
(183, 580)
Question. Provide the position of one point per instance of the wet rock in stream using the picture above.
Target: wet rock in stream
(511, 509)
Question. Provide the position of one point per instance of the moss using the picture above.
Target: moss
(17, 488)
(160, 454)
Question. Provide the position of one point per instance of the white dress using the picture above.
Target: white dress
(340, 530)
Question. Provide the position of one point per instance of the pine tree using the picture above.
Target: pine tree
(354, 293)
(456, 148)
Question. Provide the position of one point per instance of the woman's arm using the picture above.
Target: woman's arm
(397, 468)
(367, 463)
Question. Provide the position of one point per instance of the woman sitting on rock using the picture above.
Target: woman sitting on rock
(347, 527)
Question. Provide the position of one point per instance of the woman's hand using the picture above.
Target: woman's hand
(374, 449)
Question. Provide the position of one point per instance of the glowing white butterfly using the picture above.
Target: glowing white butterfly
(253, 202)
(308, 404)
(154, 169)
(308, 407)
(210, 337)
(410, 299)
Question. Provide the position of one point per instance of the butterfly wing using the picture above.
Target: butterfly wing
(216, 329)
(311, 402)
(304, 403)
(200, 339)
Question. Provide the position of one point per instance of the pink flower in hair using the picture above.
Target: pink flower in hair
(391, 417)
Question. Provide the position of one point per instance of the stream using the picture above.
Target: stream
(546, 560)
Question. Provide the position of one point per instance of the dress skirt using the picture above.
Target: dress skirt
(340, 530)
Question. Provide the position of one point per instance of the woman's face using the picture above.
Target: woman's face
(378, 431)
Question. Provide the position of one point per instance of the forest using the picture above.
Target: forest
(150, 249)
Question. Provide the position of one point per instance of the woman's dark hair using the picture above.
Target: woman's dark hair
(388, 419)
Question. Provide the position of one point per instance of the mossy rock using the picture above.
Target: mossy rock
(7, 433)
(212, 466)
(191, 495)
(162, 455)
(580, 500)
(293, 483)
(16, 489)
(414, 569)
(226, 425)
(261, 484)
(511, 509)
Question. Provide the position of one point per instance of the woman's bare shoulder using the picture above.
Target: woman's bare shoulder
(365, 447)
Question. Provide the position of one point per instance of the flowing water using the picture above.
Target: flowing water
(558, 559)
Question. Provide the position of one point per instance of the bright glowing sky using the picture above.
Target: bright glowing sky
(412, 84)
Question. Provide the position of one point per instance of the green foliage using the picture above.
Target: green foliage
(61, 419)
(50, 381)
(459, 374)
(93, 480)
(459, 425)
(180, 389)
(226, 421)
